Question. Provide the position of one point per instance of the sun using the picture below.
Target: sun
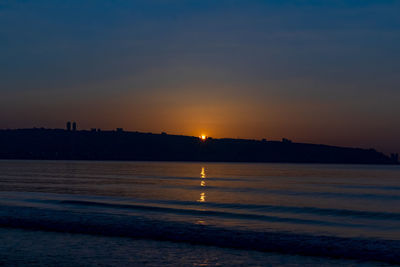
(203, 137)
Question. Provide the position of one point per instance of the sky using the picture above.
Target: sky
(311, 71)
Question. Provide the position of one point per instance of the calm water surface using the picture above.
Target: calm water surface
(259, 204)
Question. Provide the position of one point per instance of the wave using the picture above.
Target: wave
(378, 187)
(251, 216)
(108, 224)
(287, 209)
(209, 213)
(198, 208)
(291, 193)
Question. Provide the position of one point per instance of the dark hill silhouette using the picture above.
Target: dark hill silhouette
(59, 144)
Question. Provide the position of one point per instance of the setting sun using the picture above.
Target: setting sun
(203, 137)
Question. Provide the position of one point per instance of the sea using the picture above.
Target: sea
(99, 213)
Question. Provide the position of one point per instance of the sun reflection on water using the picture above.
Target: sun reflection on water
(202, 184)
(202, 197)
(203, 172)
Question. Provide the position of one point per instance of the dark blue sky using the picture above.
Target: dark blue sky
(313, 71)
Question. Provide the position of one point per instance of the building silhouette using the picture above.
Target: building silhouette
(74, 126)
(68, 126)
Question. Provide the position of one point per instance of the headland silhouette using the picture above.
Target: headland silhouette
(95, 144)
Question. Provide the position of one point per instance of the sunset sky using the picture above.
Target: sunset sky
(312, 71)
